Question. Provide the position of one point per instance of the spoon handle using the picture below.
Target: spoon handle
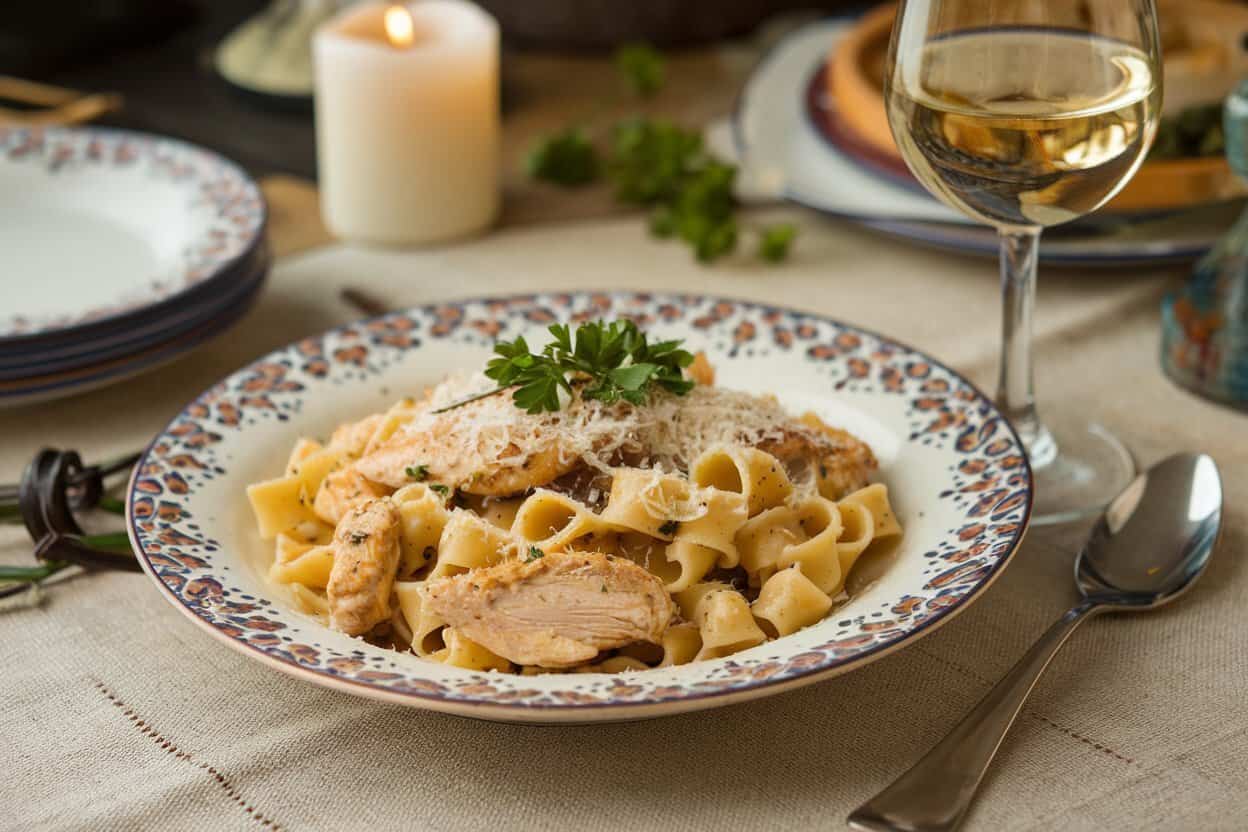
(934, 795)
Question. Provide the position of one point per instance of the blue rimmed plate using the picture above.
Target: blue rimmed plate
(102, 229)
(92, 374)
(958, 475)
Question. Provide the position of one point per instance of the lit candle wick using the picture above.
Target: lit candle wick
(399, 28)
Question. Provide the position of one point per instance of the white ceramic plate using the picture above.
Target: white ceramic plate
(784, 155)
(99, 225)
(140, 357)
(958, 475)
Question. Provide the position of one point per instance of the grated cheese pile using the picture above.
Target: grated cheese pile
(666, 433)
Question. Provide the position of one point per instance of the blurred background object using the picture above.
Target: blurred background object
(1205, 46)
(1205, 324)
(407, 121)
(270, 54)
(602, 24)
(38, 37)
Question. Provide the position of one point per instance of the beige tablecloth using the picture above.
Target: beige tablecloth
(118, 713)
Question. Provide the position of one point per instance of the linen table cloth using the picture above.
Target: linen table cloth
(118, 713)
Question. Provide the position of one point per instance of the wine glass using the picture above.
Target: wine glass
(1024, 114)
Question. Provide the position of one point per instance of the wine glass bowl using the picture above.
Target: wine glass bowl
(1025, 114)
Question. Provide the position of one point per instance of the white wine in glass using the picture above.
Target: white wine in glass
(1025, 114)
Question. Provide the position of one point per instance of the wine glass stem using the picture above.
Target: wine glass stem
(1016, 387)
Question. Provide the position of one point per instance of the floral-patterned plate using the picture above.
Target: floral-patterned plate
(959, 479)
(102, 229)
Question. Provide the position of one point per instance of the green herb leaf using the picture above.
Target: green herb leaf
(774, 242)
(663, 221)
(609, 362)
(538, 389)
(566, 158)
(533, 554)
(650, 159)
(642, 68)
(115, 541)
(417, 473)
(30, 574)
(444, 490)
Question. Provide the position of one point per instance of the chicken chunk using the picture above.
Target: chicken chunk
(845, 461)
(366, 558)
(343, 490)
(555, 611)
(352, 437)
(447, 444)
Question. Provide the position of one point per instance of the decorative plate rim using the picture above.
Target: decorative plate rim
(243, 282)
(86, 324)
(532, 712)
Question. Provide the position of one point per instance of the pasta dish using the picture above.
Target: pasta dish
(620, 513)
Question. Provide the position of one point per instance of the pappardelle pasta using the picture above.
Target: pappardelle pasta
(606, 536)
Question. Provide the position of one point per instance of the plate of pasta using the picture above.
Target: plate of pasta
(580, 507)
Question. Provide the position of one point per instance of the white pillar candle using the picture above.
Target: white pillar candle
(407, 121)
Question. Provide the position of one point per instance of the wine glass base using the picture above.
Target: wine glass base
(1078, 468)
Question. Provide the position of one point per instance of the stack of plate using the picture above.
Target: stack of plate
(119, 252)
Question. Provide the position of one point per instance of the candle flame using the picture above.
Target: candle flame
(399, 27)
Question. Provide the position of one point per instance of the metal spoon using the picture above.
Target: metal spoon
(1151, 544)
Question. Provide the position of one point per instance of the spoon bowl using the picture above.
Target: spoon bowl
(1155, 538)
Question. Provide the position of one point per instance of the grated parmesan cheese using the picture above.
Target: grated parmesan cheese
(667, 433)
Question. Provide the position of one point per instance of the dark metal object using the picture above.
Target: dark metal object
(54, 485)
(364, 303)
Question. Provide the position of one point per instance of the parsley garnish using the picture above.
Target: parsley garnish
(641, 66)
(658, 165)
(669, 528)
(444, 490)
(419, 473)
(534, 554)
(773, 244)
(609, 362)
(566, 158)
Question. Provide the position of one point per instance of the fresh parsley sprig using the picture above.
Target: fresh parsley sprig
(642, 68)
(607, 362)
(566, 158)
(661, 166)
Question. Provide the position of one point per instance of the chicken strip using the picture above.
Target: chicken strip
(845, 461)
(555, 611)
(366, 558)
(470, 449)
(343, 490)
(352, 437)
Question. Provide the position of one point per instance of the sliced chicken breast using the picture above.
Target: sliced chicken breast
(845, 462)
(366, 558)
(558, 610)
(343, 490)
(473, 449)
